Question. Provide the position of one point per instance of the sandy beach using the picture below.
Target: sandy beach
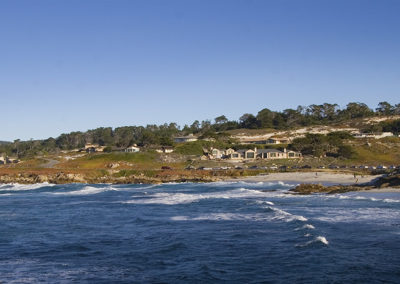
(312, 177)
(320, 177)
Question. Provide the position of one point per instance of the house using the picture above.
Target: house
(234, 156)
(293, 154)
(229, 151)
(275, 140)
(6, 160)
(217, 154)
(165, 149)
(132, 149)
(248, 153)
(182, 139)
(91, 148)
(13, 160)
(253, 140)
(272, 154)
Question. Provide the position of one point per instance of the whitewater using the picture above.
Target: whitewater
(236, 232)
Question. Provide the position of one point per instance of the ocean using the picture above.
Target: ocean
(224, 232)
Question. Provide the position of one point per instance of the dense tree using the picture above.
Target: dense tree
(266, 118)
(356, 110)
(248, 120)
(384, 108)
(292, 117)
(320, 145)
(221, 119)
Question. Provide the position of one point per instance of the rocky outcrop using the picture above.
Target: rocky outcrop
(310, 188)
(390, 180)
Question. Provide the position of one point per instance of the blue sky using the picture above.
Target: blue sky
(80, 64)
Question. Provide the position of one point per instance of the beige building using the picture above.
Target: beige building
(269, 154)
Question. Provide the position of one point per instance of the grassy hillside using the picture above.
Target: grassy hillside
(374, 152)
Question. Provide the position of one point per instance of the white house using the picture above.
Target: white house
(132, 149)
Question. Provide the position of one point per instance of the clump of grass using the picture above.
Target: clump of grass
(125, 173)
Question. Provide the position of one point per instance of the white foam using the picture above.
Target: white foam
(184, 198)
(322, 240)
(265, 202)
(223, 217)
(388, 200)
(250, 184)
(306, 227)
(369, 215)
(319, 239)
(364, 198)
(19, 187)
(286, 216)
(87, 190)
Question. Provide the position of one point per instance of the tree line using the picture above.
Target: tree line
(323, 114)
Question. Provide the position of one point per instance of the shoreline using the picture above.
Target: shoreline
(330, 178)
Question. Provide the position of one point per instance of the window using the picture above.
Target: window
(250, 155)
(273, 155)
(291, 155)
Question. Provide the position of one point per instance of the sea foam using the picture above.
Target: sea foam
(319, 239)
(184, 198)
(286, 216)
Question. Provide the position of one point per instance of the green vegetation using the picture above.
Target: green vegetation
(320, 145)
(302, 116)
(196, 148)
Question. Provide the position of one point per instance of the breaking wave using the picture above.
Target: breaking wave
(87, 190)
(222, 217)
(319, 239)
(306, 227)
(22, 187)
(184, 198)
(286, 216)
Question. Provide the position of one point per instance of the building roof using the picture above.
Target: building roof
(260, 151)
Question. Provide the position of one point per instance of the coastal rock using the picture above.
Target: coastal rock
(308, 188)
(113, 165)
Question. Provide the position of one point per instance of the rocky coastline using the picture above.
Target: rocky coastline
(64, 178)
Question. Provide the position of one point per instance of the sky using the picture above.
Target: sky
(74, 65)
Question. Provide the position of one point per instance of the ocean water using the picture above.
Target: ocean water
(224, 232)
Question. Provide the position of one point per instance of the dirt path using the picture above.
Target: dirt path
(50, 163)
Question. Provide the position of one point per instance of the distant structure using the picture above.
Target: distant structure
(7, 160)
(263, 140)
(373, 135)
(132, 149)
(252, 154)
(92, 148)
(182, 139)
(165, 149)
